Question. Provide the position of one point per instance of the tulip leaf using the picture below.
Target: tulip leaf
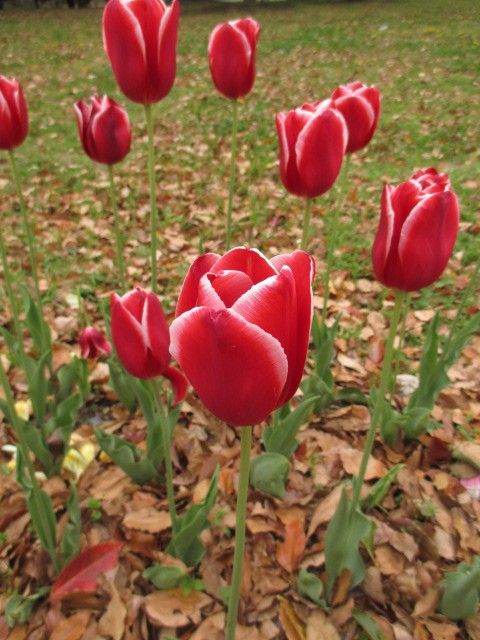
(164, 576)
(368, 624)
(380, 488)
(37, 444)
(18, 608)
(38, 328)
(35, 372)
(70, 545)
(185, 542)
(73, 373)
(462, 591)
(345, 532)
(310, 586)
(281, 438)
(120, 381)
(269, 473)
(127, 456)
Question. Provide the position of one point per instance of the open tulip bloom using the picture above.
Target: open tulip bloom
(241, 336)
(13, 114)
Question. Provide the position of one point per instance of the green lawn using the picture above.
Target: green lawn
(423, 56)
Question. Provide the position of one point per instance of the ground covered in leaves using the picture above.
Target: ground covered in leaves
(426, 64)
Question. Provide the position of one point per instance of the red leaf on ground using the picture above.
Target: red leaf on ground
(82, 572)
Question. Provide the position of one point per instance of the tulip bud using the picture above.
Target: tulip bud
(360, 106)
(104, 130)
(93, 344)
(141, 337)
(231, 55)
(417, 231)
(13, 114)
(312, 141)
(140, 39)
(242, 329)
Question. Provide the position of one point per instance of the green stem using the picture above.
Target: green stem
(331, 236)
(118, 231)
(398, 352)
(231, 183)
(463, 303)
(384, 380)
(7, 274)
(306, 223)
(153, 196)
(26, 226)
(22, 445)
(166, 444)
(246, 444)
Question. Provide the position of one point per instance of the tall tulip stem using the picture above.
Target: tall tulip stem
(246, 444)
(118, 231)
(467, 292)
(306, 223)
(7, 275)
(384, 381)
(398, 352)
(153, 196)
(331, 235)
(49, 543)
(26, 225)
(231, 183)
(167, 457)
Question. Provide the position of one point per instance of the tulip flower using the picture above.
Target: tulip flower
(141, 337)
(417, 231)
(13, 114)
(360, 106)
(93, 344)
(140, 39)
(242, 329)
(104, 130)
(231, 55)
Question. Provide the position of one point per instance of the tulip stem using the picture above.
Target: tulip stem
(7, 275)
(153, 196)
(398, 352)
(42, 518)
(231, 184)
(467, 292)
(167, 458)
(241, 512)
(118, 232)
(26, 226)
(306, 223)
(331, 236)
(384, 380)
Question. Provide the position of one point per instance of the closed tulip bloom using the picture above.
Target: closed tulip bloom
(93, 343)
(242, 329)
(140, 39)
(360, 106)
(417, 231)
(104, 129)
(231, 54)
(312, 142)
(13, 114)
(141, 337)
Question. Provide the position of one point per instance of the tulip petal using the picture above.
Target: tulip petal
(289, 125)
(129, 339)
(111, 133)
(383, 237)
(167, 52)
(229, 55)
(134, 302)
(319, 149)
(237, 369)
(207, 296)
(156, 329)
(427, 240)
(229, 285)
(360, 118)
(179, 384)
(250, 261)
(189, 292)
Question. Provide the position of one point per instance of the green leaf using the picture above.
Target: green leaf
(74, 373)
(38, 328)
(368, 624)
(37, 444)
(120, 381)
(18, 608)
(164, 576)
(42, 514)
(70, 545)
(345, 533)
(35, 372)
(351, 395)
(269, 473)
(380, 488)
(127, 456)
(462, 591)
(281, 438)
(185, 543)
(310, 586)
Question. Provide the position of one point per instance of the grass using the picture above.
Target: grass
(425, 62)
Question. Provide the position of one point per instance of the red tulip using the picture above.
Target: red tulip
(140, 38)
(141, 337)
(231, 54)
(104, 129)
(417, 231)
(360, 106)
(93, 343)
(312, 140)
(241, 331)
(13, 114)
